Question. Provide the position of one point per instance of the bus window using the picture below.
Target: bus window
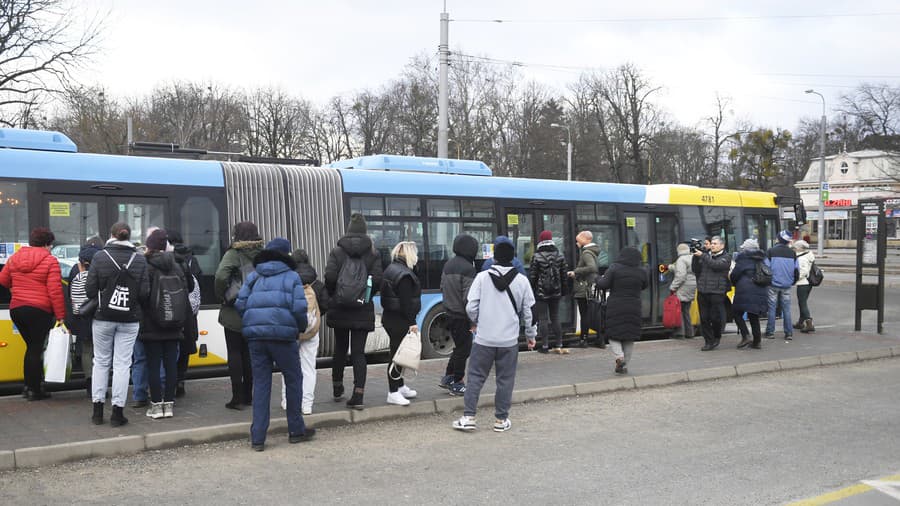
(477, 209)
(607, 238)
(73, 223)
(520, 229)
(484, 233)
(13, 223)
(442, 208)
(440, 248)
(140, 215)
(731, 228)
(367, 206)
(199, 229)
(386, 234)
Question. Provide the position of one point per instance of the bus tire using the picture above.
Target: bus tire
(436, 339)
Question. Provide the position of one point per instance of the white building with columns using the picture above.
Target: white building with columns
(851, 177)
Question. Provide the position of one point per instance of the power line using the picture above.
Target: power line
(691, 19)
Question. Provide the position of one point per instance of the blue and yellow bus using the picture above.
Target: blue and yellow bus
(45, 181)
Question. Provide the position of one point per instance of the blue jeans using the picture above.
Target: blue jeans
(113, 343)
(139, 377)
(785, 295)
(286, 355)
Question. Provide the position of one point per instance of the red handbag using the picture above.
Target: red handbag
(672, 312)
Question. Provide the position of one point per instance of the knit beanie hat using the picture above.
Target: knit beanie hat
(546, 235)
(504, 251)
(357, 224)
(279, 244)
(300, 256)
(87, 253)
(785, 236)
(158, 240)
(750, 244)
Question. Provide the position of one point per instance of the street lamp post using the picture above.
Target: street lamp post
(568, 149)
(820, 249)
(457, 146)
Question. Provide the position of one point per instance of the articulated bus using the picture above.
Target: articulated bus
(44, 181)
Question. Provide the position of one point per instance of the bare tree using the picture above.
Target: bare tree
(40, 44)
(876, 108)
(93, 120)
(277, 124)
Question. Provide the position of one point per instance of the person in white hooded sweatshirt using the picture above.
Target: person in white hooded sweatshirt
(498, 299)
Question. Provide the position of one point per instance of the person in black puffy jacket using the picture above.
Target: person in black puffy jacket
(351, 324)
(711, 268)
(625, 279)
(184, 257)
(401, 299)
(456, 279)
(547, 275)
(749, 297)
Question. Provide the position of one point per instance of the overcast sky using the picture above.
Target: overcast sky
(757, 52)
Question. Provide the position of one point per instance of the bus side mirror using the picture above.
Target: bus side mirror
(800, 214)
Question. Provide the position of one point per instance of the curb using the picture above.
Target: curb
(57, 454)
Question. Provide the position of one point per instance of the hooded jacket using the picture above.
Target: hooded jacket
(357, 245)
(490, 309)
(684, 283)
(159, 262)
(458, 275)
(33, 276)
(625, 279)
(548, 258)
(804, 264)
(748, 296)
(103, 269)
(586, 271)
(785, 269)
(309, 276)
(230, 268)
(271, 301)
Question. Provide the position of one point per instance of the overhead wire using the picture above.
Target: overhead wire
(679, 19)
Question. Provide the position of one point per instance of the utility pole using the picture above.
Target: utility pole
(443, 92)
(568, 149)
(820, 247)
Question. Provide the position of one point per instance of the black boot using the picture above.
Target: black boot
(338, 390)
(808, 326)
(356, 400)
(179, 390)
(118, 417)
(37, 394)
(97, 417)
(745, 341)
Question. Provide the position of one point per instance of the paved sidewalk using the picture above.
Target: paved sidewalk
(59, 429)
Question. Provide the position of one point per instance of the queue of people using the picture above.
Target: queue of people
(122, 302)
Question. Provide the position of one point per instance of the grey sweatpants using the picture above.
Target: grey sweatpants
(481, 359)
(622, 349)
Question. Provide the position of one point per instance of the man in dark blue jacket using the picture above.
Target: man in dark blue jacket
(785, 272)
(273, 313)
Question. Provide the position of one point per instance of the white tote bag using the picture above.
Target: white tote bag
(407, 356)
(57, 363)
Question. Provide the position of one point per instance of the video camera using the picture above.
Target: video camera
(696, 245)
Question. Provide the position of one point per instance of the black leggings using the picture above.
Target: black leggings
(754, 326)
(355, 340)
(396, 331)
(34, 324)
(239, 367)
(165, 353)
(461, 332)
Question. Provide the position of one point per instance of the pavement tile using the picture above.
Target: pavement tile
(712, 373)
(610, 385)
(842, 357)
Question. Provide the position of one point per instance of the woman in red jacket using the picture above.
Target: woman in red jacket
(32, 275)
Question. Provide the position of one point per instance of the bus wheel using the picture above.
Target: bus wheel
(436, 339)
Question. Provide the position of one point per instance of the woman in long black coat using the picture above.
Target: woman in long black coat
(749, 297)
(624, 279)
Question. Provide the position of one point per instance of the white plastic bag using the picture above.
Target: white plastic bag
(57, 361)
(408, 354)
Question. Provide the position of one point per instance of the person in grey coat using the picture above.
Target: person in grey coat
(684, 286)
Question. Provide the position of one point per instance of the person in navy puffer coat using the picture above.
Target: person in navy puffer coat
(272, 306)
(749, 297)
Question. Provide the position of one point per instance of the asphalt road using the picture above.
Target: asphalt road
(764, 439)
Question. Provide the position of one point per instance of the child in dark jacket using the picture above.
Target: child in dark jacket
(272, 306)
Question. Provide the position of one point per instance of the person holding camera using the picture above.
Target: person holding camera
(711, 268)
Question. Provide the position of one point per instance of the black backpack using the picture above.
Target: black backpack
(169, 306)
(815, 276)
(352, 284)
(762, 275)
(234, 286)
(549, 283)
(119, 298)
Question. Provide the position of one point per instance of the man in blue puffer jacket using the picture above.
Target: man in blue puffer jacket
(273, 313)
(785, 272)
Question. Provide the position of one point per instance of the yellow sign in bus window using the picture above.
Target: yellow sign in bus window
(512, 219)
(630, 221)
(59, 209)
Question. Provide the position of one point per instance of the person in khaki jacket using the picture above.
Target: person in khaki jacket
(585, 274)
(684, 286)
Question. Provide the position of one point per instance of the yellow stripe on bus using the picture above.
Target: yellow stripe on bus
(704, 197)
(758, 199)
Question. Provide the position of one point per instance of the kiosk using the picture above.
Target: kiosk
(871, 249)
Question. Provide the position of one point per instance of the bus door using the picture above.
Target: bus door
(655, 235)
(524, 225)
(78, 219)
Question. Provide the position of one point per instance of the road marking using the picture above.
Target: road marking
(892, 483)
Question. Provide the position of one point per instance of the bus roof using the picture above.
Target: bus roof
(40, 140)
(415, 164)
(109, 168)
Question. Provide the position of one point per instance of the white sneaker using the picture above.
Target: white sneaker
(466, 423)
(168, 409)
(407, 392)
(306, 410)
(155, 411)
(502, 425)
(397, 398)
